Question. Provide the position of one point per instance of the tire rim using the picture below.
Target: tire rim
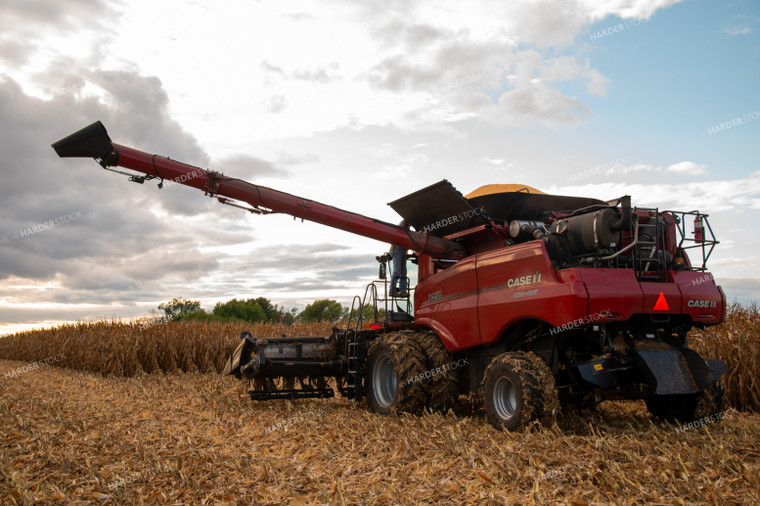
(384, 381)
(504, 398)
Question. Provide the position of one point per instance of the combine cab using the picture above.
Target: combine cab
(531, 299)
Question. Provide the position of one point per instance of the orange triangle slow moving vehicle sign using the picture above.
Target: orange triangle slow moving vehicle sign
(661, 304)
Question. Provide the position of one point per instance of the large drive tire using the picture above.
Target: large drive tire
(395, 367)
(518, 389)
(442, 387)
(687, 408)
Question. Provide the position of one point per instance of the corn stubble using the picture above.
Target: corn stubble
(72, 437)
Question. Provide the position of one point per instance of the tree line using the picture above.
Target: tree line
(254, 310)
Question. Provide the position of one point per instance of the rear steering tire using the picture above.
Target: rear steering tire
(518, 389)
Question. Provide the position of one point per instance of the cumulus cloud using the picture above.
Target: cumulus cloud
(626, 9)
(597, 84)
(497, 76)
(271, 68)
(29, 21)
(686, 168)
(290, 159)
(319, 75)
(403, 167)
(276, 104)
(711, 196)
(39, 13)
(247, 166)
(540, 103)
(734, 31)
(118, 250)
(412, 64)
(14, 53)
(689, 168)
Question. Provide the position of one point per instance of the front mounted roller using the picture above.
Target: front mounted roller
(395, 372)
(518, 389)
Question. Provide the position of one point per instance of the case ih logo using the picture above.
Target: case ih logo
(530, 279)
(702, 303)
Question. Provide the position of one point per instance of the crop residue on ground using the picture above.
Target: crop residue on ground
(80, 438)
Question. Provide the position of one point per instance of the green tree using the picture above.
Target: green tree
(202, 316)
(274, 313)
(177, 307)
(368, 312)
(250, 310)
(245, 310)
(322, 310)
(289, 318)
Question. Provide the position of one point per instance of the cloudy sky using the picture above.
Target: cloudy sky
(353, 104)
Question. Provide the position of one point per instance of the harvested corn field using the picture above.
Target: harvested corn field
(71, 437)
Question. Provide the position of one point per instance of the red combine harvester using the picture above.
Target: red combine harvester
(527, 298)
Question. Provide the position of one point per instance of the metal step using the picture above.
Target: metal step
(353, 389)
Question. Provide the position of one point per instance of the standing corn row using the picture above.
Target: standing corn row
(125, 349)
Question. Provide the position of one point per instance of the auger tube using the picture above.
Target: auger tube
(93, 141)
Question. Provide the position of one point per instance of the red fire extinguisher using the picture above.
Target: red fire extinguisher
(699, 229)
